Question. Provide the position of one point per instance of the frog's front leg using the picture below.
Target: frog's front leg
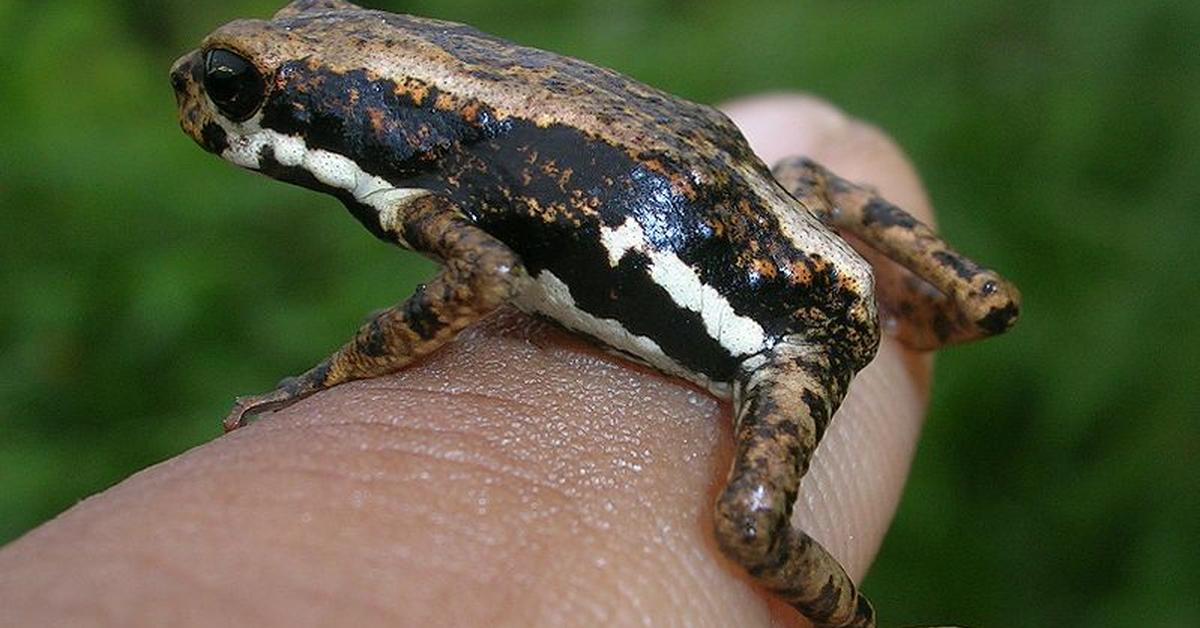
(479, 273)
(784, 404)
(954, 300)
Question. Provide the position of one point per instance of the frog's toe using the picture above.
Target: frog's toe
(237, 415)
(245, 407)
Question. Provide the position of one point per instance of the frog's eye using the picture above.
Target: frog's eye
(233, 84)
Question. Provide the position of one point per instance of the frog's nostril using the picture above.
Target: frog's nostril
(180, 72)
(179, 79)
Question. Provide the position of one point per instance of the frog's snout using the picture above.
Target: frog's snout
(189, 97)
(185, 84)
(179, 73)
(182, 74)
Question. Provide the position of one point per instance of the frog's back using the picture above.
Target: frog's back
(462, 64)
(557, 89)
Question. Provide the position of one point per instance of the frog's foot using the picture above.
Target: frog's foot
(943, 297)
(786, 403)
(244, 407)
(288, 391)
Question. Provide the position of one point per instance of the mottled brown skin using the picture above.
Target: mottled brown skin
(789, 403)
(519, 158)
(951, 299)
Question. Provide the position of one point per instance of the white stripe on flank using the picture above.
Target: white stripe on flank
(549, 296)
(738, 334)
(247, 140)
(619, 241)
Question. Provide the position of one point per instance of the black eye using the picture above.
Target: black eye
(233, 84)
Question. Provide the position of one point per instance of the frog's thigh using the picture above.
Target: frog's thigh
(968, 301)
(785, 406)
(479, 273)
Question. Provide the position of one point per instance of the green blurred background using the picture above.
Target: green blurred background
(145, 282)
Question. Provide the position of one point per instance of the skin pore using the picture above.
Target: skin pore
(518, 476)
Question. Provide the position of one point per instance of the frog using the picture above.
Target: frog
(623, 213)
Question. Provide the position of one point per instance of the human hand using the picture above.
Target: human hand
(520, 476)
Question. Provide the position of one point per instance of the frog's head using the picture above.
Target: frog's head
(222, 87)
(321, 93)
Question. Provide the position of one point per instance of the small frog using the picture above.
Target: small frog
(626, 214)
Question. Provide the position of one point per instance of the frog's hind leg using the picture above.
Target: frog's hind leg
(958, 300)
(479, 273)
(783, 407)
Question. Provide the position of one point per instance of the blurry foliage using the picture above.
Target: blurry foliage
(144, 282)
